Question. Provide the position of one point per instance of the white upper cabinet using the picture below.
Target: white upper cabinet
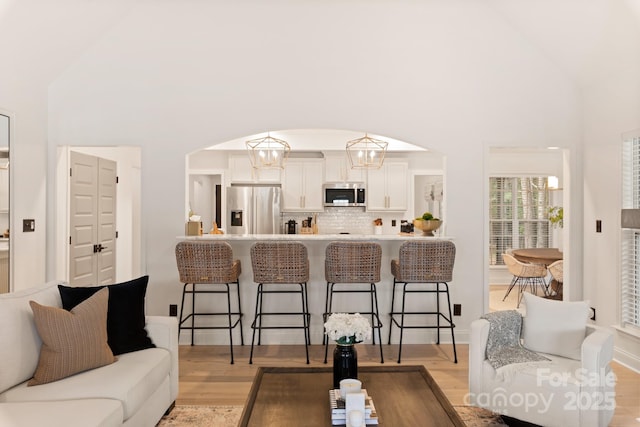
(302, 185)
(338, 169)
(241, 170)
(387, 187)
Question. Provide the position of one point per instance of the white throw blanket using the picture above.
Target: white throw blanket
(504, 348)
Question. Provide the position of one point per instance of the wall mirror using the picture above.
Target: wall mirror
(4, 203)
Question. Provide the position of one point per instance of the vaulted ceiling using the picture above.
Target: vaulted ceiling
(40, 38)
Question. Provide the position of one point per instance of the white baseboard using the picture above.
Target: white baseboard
(629, 360)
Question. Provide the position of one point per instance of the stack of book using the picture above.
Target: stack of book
(339, 414)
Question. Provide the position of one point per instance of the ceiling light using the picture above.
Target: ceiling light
(366, 152)
(268, 152)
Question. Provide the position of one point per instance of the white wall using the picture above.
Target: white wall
(612, 107)
(448, 75)
(38, 40)
(460, 76)
(26, 106)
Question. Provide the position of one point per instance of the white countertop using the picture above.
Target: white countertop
(314, 237)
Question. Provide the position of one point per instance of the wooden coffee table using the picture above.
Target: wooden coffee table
(402, 395)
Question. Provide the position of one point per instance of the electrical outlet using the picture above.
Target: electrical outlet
(28, 225)
(593, 314)
(457, 309)
(173, 310)
(598, 226)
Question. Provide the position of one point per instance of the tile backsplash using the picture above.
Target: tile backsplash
(354, 220)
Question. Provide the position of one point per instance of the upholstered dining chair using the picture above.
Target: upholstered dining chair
(556, 271)
(524, 274)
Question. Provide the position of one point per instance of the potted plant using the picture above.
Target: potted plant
(556, 216)
(556, 219)
(427, 223)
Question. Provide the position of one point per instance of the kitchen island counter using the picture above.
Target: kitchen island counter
(316, 246)
(312, 237)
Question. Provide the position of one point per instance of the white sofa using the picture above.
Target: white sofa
(565, 391)
(136, 390)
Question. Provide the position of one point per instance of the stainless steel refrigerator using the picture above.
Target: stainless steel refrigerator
(254, 209)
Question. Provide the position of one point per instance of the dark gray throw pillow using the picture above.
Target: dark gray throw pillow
(125, 313)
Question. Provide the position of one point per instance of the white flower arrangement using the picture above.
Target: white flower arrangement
(346, 328)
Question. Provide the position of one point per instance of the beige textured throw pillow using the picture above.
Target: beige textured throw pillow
(73, 341)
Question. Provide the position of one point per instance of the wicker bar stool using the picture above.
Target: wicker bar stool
(350, 263)
(423, 263)
(280, 263)
(209, 263)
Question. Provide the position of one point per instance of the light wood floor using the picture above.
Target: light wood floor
(207, 377)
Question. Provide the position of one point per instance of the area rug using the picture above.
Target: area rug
(228, 416)
(202, 416)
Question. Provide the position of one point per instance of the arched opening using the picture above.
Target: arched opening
(317, 157)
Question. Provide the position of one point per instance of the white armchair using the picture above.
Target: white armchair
(575, 388)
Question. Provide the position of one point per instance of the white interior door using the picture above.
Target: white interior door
(92, 196)
(107, 180)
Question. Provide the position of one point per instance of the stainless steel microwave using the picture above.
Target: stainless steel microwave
(344, 194)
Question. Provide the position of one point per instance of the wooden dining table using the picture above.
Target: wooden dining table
(543, 256)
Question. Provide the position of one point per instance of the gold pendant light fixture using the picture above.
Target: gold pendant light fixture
(268, 152)
(366, 152)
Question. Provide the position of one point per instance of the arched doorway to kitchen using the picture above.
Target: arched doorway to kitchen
(317, 156)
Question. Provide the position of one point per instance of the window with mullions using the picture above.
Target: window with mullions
(518, 215)
(630, 239)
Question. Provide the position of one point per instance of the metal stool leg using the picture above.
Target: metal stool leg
(373, 312)
(193, 311)
(378, 322)
(308, 313)
(254, 324)
(184, 291)
(328, 309)
(260, 317)
(325, 338)
(404, 295)
(453, 338)
(391, 320)
(305, 329)
(230, 321)
(438, 310)
(240, 314)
